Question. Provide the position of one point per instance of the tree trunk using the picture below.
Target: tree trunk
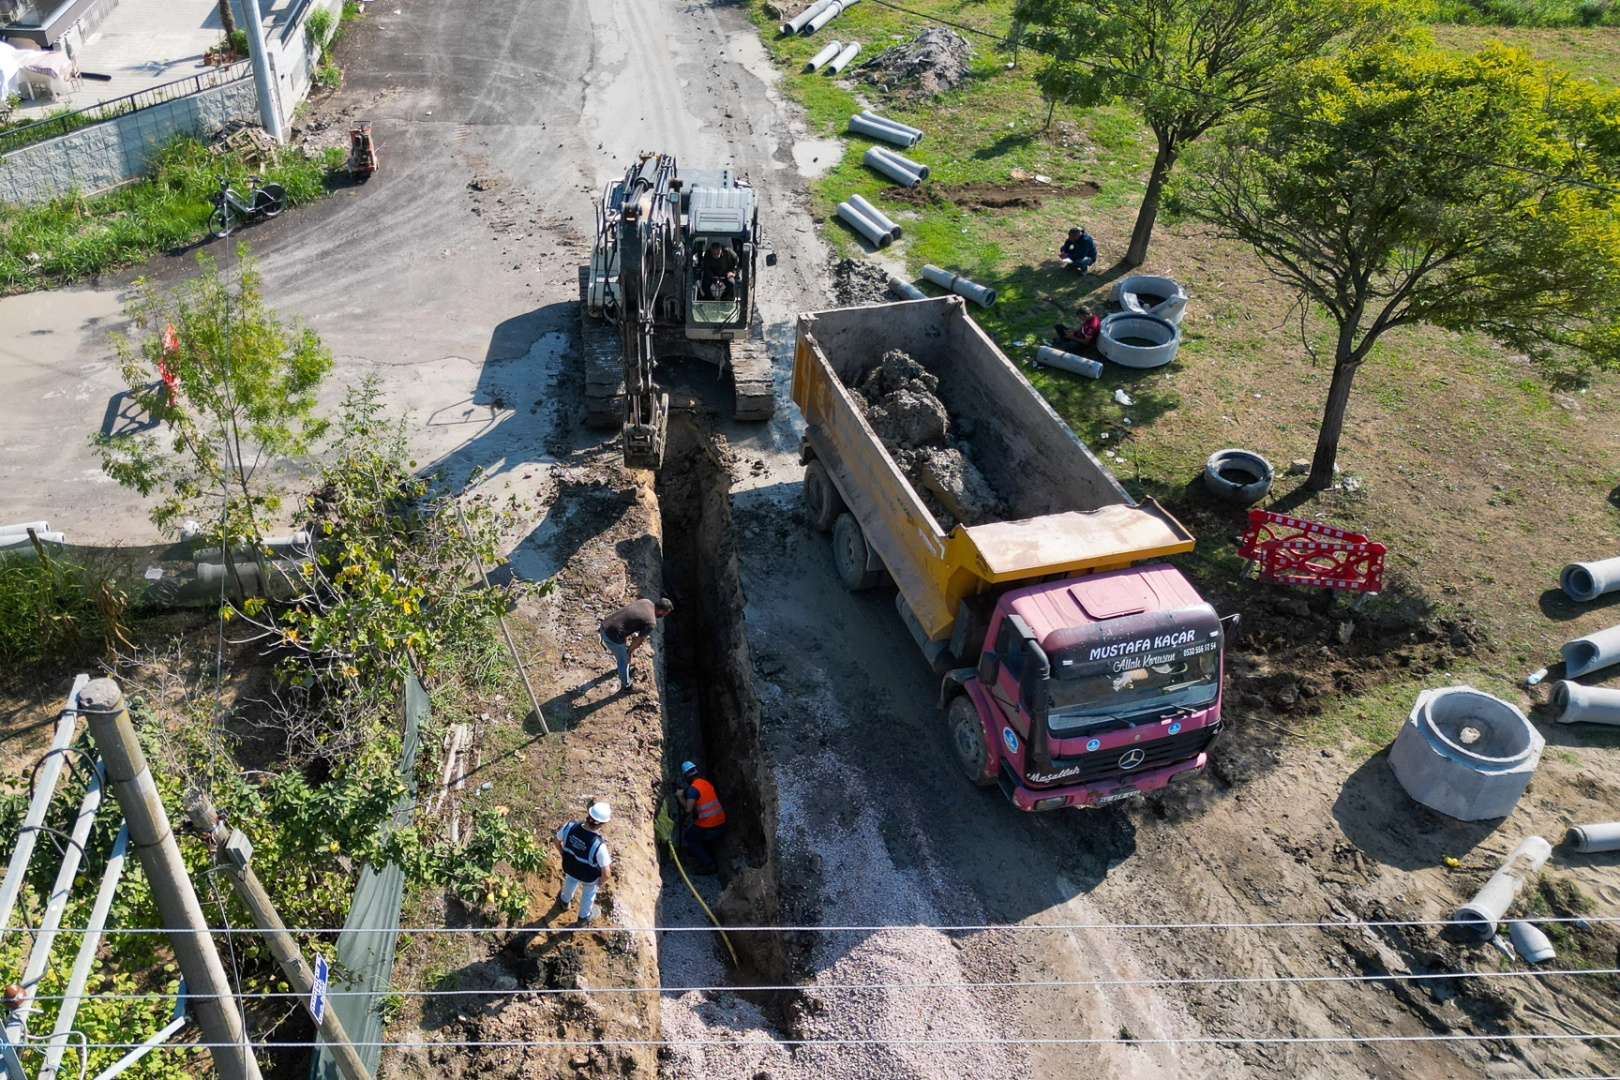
(1327, 441)
(1142, 232)
(227, 20)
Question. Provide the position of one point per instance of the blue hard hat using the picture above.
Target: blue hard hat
(688, 769)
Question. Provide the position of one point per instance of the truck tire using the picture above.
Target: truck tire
(966, 734)
(850, 554)
(822, 503)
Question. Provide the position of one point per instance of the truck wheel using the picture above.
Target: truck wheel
(966, 732)
(850, 554)
(822, 503)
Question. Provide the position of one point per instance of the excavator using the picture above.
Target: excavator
(645, 295)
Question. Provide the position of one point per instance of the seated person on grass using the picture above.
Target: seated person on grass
(1081, 336)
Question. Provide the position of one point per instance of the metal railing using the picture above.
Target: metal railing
(62, 123)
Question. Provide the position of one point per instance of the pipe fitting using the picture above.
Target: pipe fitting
(1068, 361)
(874, 234)
(1480, 915)
(905, 289)
(1592, 839)
(1586, 581)
(849, 52)
(828, 51)
(874, 159)
(1592, 652)
(1465, 753)
(1578, 704)
(1161, 337)
(979, 294)
(876, 216)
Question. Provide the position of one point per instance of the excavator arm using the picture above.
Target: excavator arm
(647, 239)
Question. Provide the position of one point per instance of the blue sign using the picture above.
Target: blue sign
(1174, 728)
(1093, 744)
(1010, 739)
(317, 993)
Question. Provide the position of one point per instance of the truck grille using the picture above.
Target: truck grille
(1104, 764)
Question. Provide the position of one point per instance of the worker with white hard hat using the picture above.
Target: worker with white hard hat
(585, 859)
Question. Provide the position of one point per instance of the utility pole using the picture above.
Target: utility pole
(102, 705)
(238, 867)
(264, 79)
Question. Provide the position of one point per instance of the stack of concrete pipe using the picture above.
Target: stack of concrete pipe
(877, 235)
(876, 216)
(825, 56)
(845, 55)
(873, 126)
(826, 15)
(902, 170)
(1586, 581)
(961, 286)
(17, 535)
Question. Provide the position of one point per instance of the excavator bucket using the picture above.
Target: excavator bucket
(644, 441)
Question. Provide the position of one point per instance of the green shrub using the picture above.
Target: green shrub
(51, 608)
(238, 42)
(318, 29)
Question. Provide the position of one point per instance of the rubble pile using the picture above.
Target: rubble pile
(907, 415)
(934, 61)
(858, 283)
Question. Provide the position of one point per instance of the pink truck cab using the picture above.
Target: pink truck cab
(1090, 690)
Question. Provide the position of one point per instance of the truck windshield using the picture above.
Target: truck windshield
(1100, 701)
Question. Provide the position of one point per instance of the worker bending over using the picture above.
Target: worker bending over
(708, 817)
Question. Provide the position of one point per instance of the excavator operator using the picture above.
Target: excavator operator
(718, 269)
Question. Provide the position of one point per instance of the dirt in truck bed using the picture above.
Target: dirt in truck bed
(899, 400)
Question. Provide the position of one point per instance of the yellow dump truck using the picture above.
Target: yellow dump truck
(1073, 675)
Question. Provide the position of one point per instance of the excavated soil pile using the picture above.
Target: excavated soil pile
(934, 61)
(858, 283)
(907, 415)
(989, 195)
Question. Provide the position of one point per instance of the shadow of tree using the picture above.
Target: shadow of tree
(1002, 146)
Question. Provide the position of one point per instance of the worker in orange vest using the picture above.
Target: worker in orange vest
(708, 817)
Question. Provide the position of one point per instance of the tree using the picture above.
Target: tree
(1188, 65)
(1402, 186)
(232, 387)
(227, 19)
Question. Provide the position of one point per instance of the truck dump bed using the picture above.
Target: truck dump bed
(1064, 512)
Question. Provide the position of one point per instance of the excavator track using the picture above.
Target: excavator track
(752, 379)
(604, 370)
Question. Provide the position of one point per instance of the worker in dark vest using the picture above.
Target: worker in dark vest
(708, 816)
(624, 631)
(585, 859)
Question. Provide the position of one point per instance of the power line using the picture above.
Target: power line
(985, 1040)
(1031, 984)
(1238, 105)
(944, 928)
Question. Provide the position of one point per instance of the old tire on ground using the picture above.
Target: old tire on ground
(822, 503)
(966, 733)
(1240, 477)
(850, 554)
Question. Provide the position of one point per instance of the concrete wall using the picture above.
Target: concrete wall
(108, 153)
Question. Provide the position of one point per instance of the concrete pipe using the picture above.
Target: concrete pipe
(865, 125)
(831, 50)
(1578, 704)
(875, 234)
(22, 527)
(1134, 340)
(905, 289)
(20, 540)
(874, 159)
(1530, 943)
(1594, 838)
(875, 215)
(1591, 652)
(802, 19)
(850, 52)
(1240, 477)
(1481, 914)
(905, 163)
(961, 286)
(827, 15)
(1068, 361)
(1149, 295)
(916, 133)
(1584, 581)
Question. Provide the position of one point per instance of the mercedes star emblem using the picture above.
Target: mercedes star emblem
(1132, 758)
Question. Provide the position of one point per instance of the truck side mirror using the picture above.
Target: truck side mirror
(1037, 673)
(770, 258)
(989, 666)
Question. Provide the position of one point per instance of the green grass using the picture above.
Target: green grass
(1528, 12)
(53, 608)
(72, 238)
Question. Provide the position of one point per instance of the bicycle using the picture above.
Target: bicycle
(268, 200)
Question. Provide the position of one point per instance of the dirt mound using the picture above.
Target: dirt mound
(934, 61)
(987, 195)
(912, 422)
(858, 283)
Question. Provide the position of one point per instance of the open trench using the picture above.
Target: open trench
(712, 717)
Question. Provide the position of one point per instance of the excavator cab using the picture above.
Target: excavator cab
(724, 214)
